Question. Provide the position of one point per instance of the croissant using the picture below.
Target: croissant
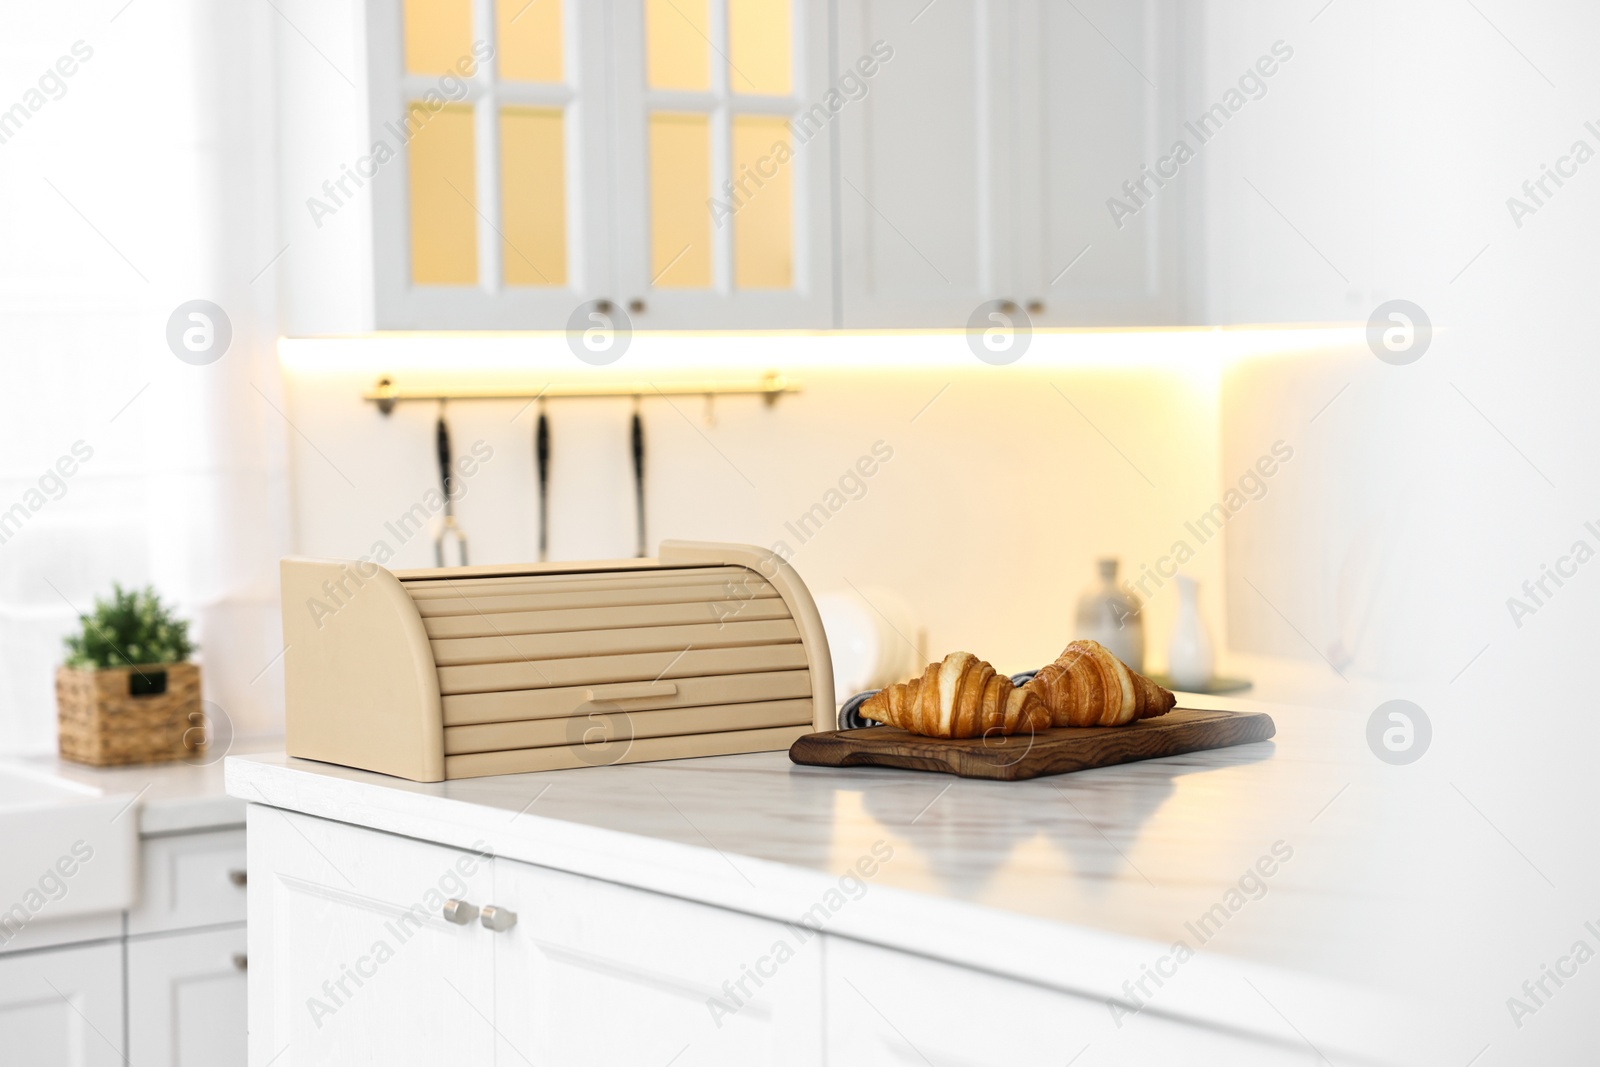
(1088, 686)
(960, 696)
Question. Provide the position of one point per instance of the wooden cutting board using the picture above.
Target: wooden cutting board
(1057, 751)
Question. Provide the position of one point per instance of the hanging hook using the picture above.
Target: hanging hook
(710, 415)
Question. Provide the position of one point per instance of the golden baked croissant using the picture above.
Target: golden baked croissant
(960, 696)
(1088, 686)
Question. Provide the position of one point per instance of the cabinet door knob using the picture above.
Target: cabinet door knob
(1035, 307)
(238, 878)
(241, 961)
(636, 306)
(459, 912)
(498, 919)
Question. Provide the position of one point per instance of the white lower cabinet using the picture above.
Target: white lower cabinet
(353, 961)
(162, 985)
(887, 1007)
(186, 999)
(352, 958)
(599, 974)
(62, 1007)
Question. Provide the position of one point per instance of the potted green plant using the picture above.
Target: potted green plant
(127, 693)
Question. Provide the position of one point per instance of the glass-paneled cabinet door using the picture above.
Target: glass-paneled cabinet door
(488, 162)
(723, 119)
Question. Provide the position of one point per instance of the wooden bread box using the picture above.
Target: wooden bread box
(708, 649)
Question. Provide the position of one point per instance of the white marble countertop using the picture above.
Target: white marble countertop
(174, 797)
(1078, 882)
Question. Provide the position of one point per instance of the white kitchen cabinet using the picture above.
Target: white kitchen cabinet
(508, 164)
(186, 999)
(352, 957)
(175, 960)
(514, 164)
(575, 969)
(978, 164)
(62, 1007)
(597, 974)
(880, 1010)
(493, 213)
(1098, 91)
(724, 163)
(924, 162)
(333, 980)
(456, 176)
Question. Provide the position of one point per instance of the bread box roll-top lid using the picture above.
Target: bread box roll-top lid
(708, 649)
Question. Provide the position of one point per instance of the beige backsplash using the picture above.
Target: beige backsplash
(992, 489)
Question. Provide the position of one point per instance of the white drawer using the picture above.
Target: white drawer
(190, 880)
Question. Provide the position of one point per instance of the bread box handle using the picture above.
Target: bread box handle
(629, 691)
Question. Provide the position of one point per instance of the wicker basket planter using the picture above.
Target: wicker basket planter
(110, 717)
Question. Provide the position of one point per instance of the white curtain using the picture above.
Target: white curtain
(143, 181)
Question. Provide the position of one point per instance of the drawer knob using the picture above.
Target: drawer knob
(459, 912)
(241, 961)
(498, 919)
(238, 878)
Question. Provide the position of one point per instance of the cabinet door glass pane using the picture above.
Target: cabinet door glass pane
(444, 220)
(763, 224)
(759, 47)
(438, 37)
(680, 185)
(678, 44)
(528, 36)
(533, 193)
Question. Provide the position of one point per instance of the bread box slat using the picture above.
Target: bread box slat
(638, 750)
(514, 648)
(602, 725)
(708, 592)
(714, 648)
(560, 621)
(429, 588)
(575, 700)
(603, 670)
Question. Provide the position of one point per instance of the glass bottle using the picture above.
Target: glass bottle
(1111, 616)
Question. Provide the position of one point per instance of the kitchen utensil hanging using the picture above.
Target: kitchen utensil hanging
(638, 475)
(386, 395)
(541, 452)
(450, 529)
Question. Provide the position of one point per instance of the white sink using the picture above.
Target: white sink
(66, 849)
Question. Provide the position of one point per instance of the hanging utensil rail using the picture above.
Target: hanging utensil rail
(769, 387)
